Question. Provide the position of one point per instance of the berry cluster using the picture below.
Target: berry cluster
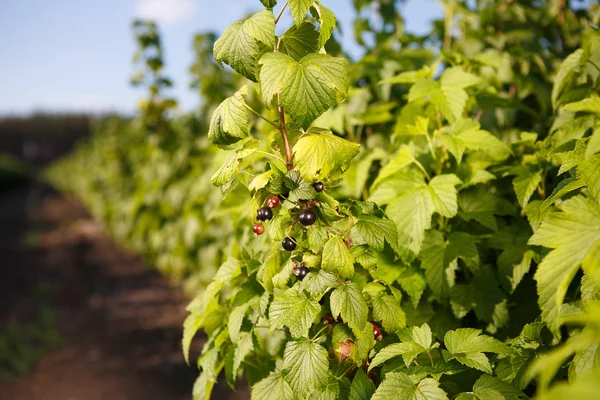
(265, 214)
(306, 217)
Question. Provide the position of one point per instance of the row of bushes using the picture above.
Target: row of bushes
(458, 257)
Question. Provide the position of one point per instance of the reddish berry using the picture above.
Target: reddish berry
(345, 349)
(300, 272)
(377, 333)
(264, 214)
(319, 187)
(273, 202)
(288, 243)
(328, 319)
(371, 378)
(258, 229)
(307, 217)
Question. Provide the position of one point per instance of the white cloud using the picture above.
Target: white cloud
(165, 11)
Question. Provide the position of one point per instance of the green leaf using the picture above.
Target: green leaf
(320, 155)
(229, 122)
(269, 3)
(308, 86)
(337, 258)
(305, 366)
(467, 134)
(482, 295)
(412, 211)
(449, 94)
(317, 236)
(192, 323)
(271, 267)
(408, 350)
(330, 392)
(415, 340)
(226, 173)
(572, 233)
(525, 184)
(399, 386)
(589, 172)
(243, 348)
(572, 158)
(317, 283)
(467, 345)
(273, 386)
(586, 387)
(294, 310)
(565, 187)
(299, 8)
(362, 388)
(565, 74)
(240, 44)
(347, 300)
(522, 268)
(401, 160)
(210, 365)
(488, 387)
(376, 231)
(590, 104)
(437, 258)
(387, 310)
(327, 21)
(202, 388)
(235, 321)
(299, 41)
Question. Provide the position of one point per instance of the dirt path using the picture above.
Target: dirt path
(121, 322)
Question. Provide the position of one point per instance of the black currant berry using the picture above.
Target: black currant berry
(319, 187)
(307, 217)
(264, 214)
(273, 202)
(258, 229)
(300, 272)
(288, 243)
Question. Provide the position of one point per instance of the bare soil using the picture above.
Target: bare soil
(120, 320)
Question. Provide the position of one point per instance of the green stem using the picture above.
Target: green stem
(418, 164)
(318, 333)
(430, 146)
(270, 155)
(280, 13)
(594, 64)
(253, 111)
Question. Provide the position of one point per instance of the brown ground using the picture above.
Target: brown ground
(120, 321)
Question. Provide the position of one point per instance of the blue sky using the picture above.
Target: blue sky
(75, 55)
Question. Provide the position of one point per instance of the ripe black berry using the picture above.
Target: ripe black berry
(319, 186)
(264, 214)
(288, 243)
(273, 202)
(258, 229)
(300, 272)
(307, 217)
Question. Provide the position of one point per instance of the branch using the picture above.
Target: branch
(284, 136)
(282, 128)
